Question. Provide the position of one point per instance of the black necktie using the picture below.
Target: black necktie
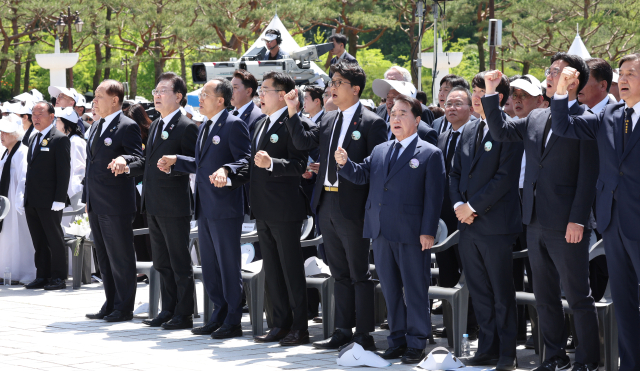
(158, 136)
(96, 136)
(451, 150)
(394, 156)
(263, 135)
(332, 170)
(444, 126)
(545, 133)
(205, 135)
(235, 113)
(628, 127)
(480, 136)
(37, 143)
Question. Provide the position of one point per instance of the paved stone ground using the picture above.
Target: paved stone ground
(48, 331)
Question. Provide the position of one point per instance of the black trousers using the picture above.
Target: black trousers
(285, 282)
(561, 266)
(113, 240)
(348, 258)
(488, 266)
(48, 241)
(170, 252)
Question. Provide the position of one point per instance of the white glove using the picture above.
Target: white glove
(57, 206)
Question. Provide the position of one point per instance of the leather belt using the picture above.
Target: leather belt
(331, 189)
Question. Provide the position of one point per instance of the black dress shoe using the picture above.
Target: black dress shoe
(161, 318)
(413, 355)
(317, 319)
(393, 352)
(178, 322)
(507, 364)
(384, 325)
(38, 283)
(481, 359)
(337, 339)
(275, 334)
(56, 284)
(207, 329)
(295, 337)
(99, 315)
(227, 331)
(365, 340)
(119, 316)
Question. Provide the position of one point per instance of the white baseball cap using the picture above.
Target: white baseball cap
(23, 110)
(189, 109)
(269, 37)
(534, 80)
(530, 88)
(8, 126)
(80, 99)
(54, 91)
(368, 103)
(355, 355)
(67, 113)
(381, 87)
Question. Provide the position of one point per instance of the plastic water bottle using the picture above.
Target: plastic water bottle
(466, 346)
(7, 276)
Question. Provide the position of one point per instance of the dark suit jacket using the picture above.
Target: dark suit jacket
(250, 116)
(232, 152)
(276, 195)
(563, 177)
(425, 124)
(103, 192)
(373, 131)
(49, 170)
(166, 195)
(487, 180)
(619, 176)
(438, 123)
(404, 202)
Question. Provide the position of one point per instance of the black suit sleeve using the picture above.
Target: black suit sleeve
(377, 134)
(303, 138)
(187, 144)
(426, 133)
(588, 169)
(63, 168)
(427, 116)
(296, 163)
(501, 129)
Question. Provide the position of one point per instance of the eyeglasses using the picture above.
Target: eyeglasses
(520, 97)
(262, 91)
(204, 95)
(456, 105)
(155, 92)
(337, 83)
(555, 72)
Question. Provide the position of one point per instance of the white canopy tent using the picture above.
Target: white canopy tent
(578, 48)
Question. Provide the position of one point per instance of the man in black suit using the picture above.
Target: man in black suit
(245, 88)
(390, 89)
(447, 83)
(339, 51)
(458, 112)
(340, 204)
(167, 201)
(45, 195)
(279, 207)
(617, 199)
(595, 95)
(559, 190)
(111, 201)
(484, 193)
(313, 103)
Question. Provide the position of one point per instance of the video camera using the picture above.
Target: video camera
(298, 65)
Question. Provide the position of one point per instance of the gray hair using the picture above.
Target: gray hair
(225, 90)
(406, 75)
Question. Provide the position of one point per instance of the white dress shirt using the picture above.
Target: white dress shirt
(314, 119)
(213, 122)
(273, 118)
(165, 122)
(404, 143)
(600, 106)
(105, 125)
(347, 118)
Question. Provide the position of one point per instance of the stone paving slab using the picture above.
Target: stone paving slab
(43, 330)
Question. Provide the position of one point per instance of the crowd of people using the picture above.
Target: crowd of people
(509, 163)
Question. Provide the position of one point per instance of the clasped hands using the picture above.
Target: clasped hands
(118, 166)
(465, 214)
(218, 178)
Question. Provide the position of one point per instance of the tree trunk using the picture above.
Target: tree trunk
(183, 67)
(17, 75)
(97, 76)
(414, 41)
(352, 40)
(27, 73)
(107, 49)
(480, 44)
(133, 78)
(525, 68)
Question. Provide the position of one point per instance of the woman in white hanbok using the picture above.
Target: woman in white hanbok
(16, 247)
(67, 123)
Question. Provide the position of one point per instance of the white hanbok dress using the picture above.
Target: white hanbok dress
(16, 247)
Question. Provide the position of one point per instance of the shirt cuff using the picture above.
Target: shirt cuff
(558, 96)
(472, 209)
(270, 167)
(580, 225)
(457, 204)
(228, 182)
(57, 206)
(490, 95)
(127, 170)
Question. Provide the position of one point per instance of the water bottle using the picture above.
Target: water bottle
(466, 346)
(7, 276)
